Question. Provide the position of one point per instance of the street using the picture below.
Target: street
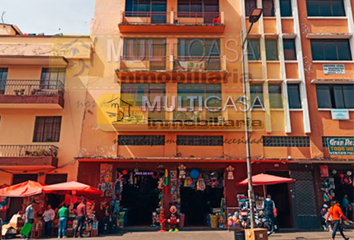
(217, 235)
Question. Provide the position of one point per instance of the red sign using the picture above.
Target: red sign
(324, 171)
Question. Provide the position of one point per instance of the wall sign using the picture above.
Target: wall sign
(340, 114)
(333, 69)
(341, 146)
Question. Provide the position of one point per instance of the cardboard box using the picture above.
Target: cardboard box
(256, 234)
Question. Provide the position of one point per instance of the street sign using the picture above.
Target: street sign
(340, 114)
(341, 146)
(333, 69)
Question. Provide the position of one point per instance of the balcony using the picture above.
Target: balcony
(172, 22)
(48, 94)
(31, 156)
(141, 69)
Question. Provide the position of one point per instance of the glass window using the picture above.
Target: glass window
(271, 49)
(335, 96)
(141, 140)
(275, 96)
(285, 8)
(3, 78)
(289, 49)
(51, 76)
(256, 90)
(253, 49)
(47, 129)
(211, 5)
(268, 8)
(294, 96)
(330, 49)
(325, 8)
(183, 6)
(250, 5)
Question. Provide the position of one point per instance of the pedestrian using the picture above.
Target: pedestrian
(63, 214)
(345, 205)
(81, 217)
(29, 216)
(268, 209)
(336, 213)
(324, 212)
(48, 217)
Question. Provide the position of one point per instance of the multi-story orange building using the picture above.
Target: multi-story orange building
(160, 69)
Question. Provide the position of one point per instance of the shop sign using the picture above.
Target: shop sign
(144, 173)
(340, 114)
(324, 171)
(341, 146)
(333, 69)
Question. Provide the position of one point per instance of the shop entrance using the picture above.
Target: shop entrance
(140, 197)
(198, 203)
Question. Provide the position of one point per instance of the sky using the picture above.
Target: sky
(49, 16)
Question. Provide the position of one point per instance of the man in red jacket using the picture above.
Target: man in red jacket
(336, 212)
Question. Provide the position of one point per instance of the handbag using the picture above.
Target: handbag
(26, 229)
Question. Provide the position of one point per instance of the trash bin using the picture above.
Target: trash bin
(239, 235)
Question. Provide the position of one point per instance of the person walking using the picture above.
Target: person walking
(336, 213)
(81, 217)
(324, 213)
(63, 214)
(345, 205)
(48, 217)
(29, 216)
(268, 209)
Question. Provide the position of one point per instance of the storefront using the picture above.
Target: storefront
(200, 190)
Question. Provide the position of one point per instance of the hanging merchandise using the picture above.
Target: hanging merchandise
(182, 171)
(346, 178)
(201, 184)
(161, 183)
(230, 173)
(194, 174)
(324, 171)
(166, 181)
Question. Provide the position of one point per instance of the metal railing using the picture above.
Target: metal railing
(145, 17)
(28, 151)
(212, 18)
(143, 63)
(31, 87)
(197, 63)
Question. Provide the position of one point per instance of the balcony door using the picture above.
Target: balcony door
(52, 77)
(158, 8)
(3, 78)
(153, 9)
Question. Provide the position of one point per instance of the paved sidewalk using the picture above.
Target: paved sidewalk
(216, 235)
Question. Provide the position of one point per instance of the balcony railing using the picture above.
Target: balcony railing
(28, 151)
(31, 87)
(198, 63)
(174, 18)
(143, 63)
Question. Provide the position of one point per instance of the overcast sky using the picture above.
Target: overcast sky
(49, 16)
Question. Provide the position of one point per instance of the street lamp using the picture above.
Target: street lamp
(253, 18)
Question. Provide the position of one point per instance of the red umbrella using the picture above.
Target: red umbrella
(266, 179)
(24, 189)
(72, 187)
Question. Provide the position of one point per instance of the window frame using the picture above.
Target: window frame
(330, 2)
(291, 8)
(292, 40)
(269, 54)
(55, 131)
(286, 141)
(250, 45)
(332, 97)
(325, 53)
(298, 96)
(272, 10)
(197, 140)
(148, 140)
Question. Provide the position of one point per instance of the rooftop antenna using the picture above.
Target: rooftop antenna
(2, 17)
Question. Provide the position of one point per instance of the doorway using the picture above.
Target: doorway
(281, 197)
(16, 202)
(54, 199)
(140, 197)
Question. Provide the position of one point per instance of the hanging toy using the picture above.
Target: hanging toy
(131, 180)
(230, 173)
(162, 220)
(346, 179)
(182, 171)
(161, 183)
(201, 184)
(166, 181)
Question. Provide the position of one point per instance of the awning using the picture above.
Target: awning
(331, 81)
(72, 187)
(24, 189)
(34, 60)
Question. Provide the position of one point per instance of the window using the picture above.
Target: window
(286, 141)
(325, 8)
(289, 49)
(141, 140)
(256, 90)
(330, 49)
(285, 8)
(3, 78)
(275, 96)
(47, 129)
(199, 90)
(271, 49)
(253, 49)
(325, 140)
(189, 140)
(335, 96)
(268, 8)
(294, 96)
(250, 5)
(132, 93)
(195, 6)
(52, 77)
